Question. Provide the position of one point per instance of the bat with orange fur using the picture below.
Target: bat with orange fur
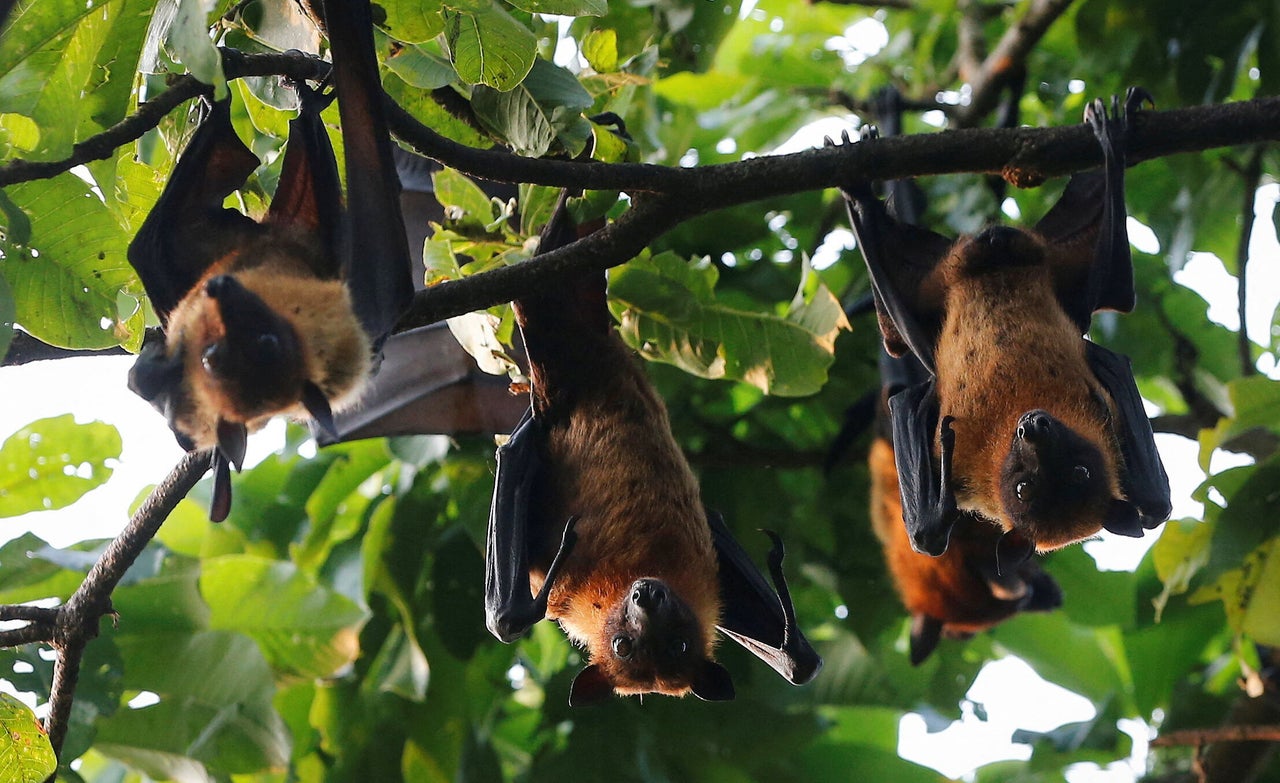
(986, 575)
(285, 315)
(1020, 421)
(597, 520)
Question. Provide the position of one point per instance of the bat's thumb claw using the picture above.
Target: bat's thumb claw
(318, 406)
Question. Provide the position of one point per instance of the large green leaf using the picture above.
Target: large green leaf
(669, 313)
(301, 626)
(412, 21)
(51, 463)
(545, 107)
(487, 45)
(67, 280)
(214, 711)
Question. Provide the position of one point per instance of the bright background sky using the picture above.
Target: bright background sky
(1012, 695)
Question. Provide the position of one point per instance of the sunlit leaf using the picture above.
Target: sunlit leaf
(25, 753)
(51, 463)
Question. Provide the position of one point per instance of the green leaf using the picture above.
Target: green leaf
(191, 45)
(454, 189)
(487, 45)
(412, 21)
(563, 7)
(67, 279)
(545, 107)
(669, 313)
(600, 48)
(25, 753)
(51, 463)
(215, 711)
(421, 69)
(301, 626)
(419, 104)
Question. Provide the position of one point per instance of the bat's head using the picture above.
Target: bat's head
(652, 642)
(998, 248)
(1058, 486)
(229, 360)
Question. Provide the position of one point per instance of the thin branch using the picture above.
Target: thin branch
(78, 618)
(34, 614)
(27, 634)
(1252, 176)
(1240, 733)
(103, 145)
(1009, 55)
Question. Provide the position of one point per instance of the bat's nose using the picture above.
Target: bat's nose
(1035, 426)
(648, 594)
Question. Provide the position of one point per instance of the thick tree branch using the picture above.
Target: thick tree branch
(1024, 156)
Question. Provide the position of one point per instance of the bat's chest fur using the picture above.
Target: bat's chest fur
(1006, 348)
(639, 512)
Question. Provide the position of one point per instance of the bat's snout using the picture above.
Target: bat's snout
(649, 594)
(1037, 427)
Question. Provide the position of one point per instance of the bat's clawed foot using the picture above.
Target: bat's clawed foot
(1112, 127)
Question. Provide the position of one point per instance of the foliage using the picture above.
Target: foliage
(331, 628)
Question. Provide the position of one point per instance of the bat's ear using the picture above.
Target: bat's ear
(713, 683)
(590, 687)
(1123, 519)
(925, 633)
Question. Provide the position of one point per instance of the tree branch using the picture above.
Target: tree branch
(1009, 55)
(103, 145)
(1240, 733)
(1022, 155)
(77, 619)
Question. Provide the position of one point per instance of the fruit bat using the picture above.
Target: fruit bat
(285, 315)
(1021, 421)
(597, 520)
(986, 575)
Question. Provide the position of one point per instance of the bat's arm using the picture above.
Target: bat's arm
(929, 507)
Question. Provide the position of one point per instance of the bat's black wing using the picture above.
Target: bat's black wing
(900, 258)
(928, 502)
(375, 252)
(309, 194)
(756, 617)
(188, 229)
(427, 384)
(514, 530)
(1086, 230)
(1144, 481)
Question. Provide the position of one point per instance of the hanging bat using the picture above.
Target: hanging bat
(1022, 421)
(597, 520)
(281, 316)
(986, 575)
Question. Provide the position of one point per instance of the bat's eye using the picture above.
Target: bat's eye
(679, 647)
(622, 647)
(212, 357)
(1026, 491)
(1080, 474)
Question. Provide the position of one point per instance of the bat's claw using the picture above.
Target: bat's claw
(866, 133)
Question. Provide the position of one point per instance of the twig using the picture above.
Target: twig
(1241, 733)
(1252, 176)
